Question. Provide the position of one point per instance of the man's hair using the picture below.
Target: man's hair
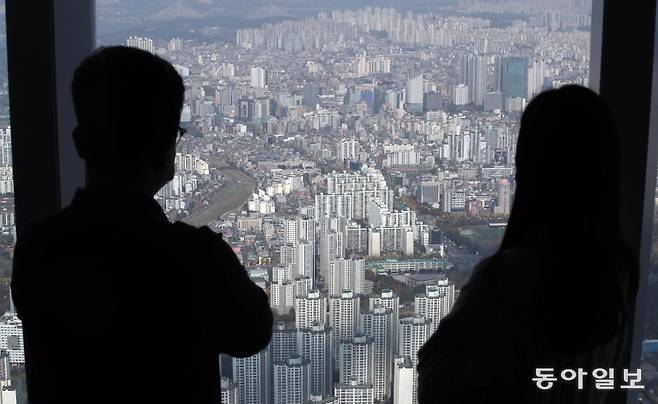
(128, 104)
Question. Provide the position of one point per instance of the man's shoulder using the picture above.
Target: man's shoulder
(202, 237)
(185, 229)
(46, 227)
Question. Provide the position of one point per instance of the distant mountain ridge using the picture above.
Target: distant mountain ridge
(177, 10)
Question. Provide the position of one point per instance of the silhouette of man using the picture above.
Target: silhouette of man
(118, 304)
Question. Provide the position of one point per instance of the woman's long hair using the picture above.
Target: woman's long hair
(566, 206)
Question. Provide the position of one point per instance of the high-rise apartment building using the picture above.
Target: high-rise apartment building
(291, 381)
(282, 296)
(258, 77)
(145, 44)
(283, 344)
(354, 393)
(414, 98)
(377, 324)
(355, 360)
(460, 94)
(343, 318)
(473, 73)
(314, 344)
(346, 274)
(305, 260)
(331, 247)
(310, 309)
(430, 192)
(403, 380)
(229, 391)
(504, 198)
(391, 301)
(514, 77)
(433, 305)
(414, 331)
(11, 338)
(252, 375)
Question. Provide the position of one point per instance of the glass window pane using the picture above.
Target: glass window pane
(365, 149)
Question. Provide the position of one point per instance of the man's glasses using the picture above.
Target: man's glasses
(180, 133)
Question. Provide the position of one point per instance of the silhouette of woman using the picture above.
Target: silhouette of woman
(556, 293)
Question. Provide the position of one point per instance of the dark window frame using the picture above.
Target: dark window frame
(47, 169)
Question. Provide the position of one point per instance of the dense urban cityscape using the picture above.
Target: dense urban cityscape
(359, 163)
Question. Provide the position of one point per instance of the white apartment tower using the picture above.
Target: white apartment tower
(504, 198)
(331, 247)
(283, 344)
(258, 77)
(355, 360)
(305, 259)
(314, 345)
(377, 325)
(291, 232)
(414, 331)
(343, 318)
(282, 296)
(229, 391)
(447, 287)
(403, 380)
(291, 381)
(251, 376)
(145, 44)
(310, 309)
(433, 304)
(306, 228)
(346, 274)
(354, 393)
(388, 300)
(11, 338)
(302, 285)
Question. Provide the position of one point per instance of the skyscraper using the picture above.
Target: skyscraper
(388, 300)
(11, 338)
(477, 79)
(229, 391)
(460, 94)
(291, 233)
(282, 296)
(514, 77)
(403, 380)
(430, 192)
(343, 318)
(311, 92)
(291, 381)
(314, 345)
(252, 375)
(414, 331)
(283, 344)
(504, 198)
(305, 260)
(355, 360)
(433, 304)
(414, 100)
(377, 325)
(346, 274)
(258, 77)
(310, 309)
(302, 285)
(331, 247)
(354, 393)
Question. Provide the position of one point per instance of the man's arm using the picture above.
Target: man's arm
(239, 315)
